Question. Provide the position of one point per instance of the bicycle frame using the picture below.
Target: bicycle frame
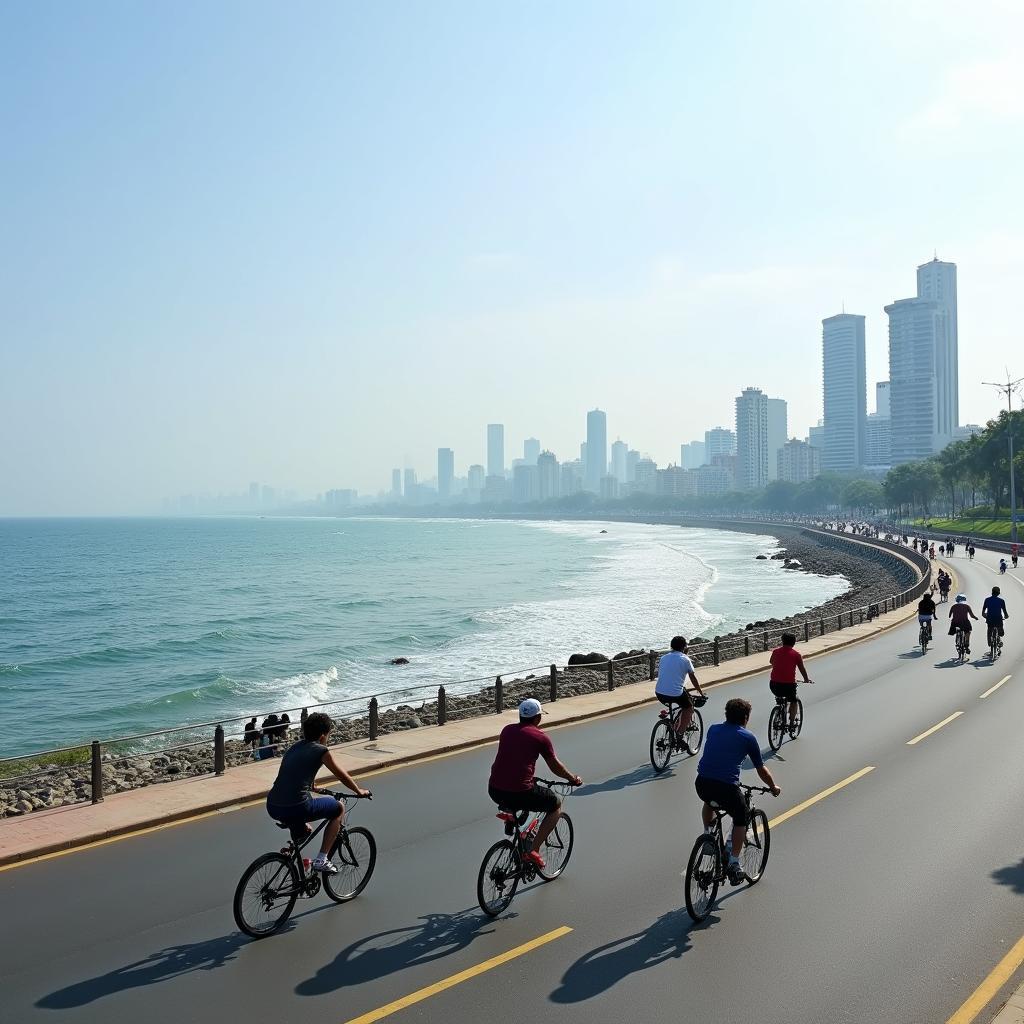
(523, 838)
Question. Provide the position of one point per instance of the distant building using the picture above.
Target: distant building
(844, 389)
(798, 462)
(609, 488)
(445, 472)
(646, 481)
(596, 463)
(343, 498)
(816, 436)
(396, 483)
(632, 459)
(752, 440)
(882, 403)
(692, 455)
(619, 452)
(525, 484)
(531, 449)
(548, 476)
(410, 488)
(495, 489)
(936, 282)
(570, 478)
(778, 431)
(496, 449)
(718, 441)
(712, 481)
(268, 496)
(475, 482)
(728, 464)
(254, 494)
(877, 441)
(672, 481)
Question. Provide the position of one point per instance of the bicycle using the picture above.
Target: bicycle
(925, 636)
(995, 643)
(666, 739)
(961, 643)
(270, 886)
(505, 865)
(943, 595)
(709, 858)
(777, 725)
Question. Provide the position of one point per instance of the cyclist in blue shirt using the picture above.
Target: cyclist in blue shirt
(727, 745)
(993, 611)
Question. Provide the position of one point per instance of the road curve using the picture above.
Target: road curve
(890, 899)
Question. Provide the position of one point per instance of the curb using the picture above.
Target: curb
(210, 807)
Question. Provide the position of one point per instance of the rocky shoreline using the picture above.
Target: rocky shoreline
(873, 574)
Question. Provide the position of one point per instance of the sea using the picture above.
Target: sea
(115, 627)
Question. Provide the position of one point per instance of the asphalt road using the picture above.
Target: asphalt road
(889, 900)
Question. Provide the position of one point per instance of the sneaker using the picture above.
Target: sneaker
(735, 873)
(534, 858)
(324, 866)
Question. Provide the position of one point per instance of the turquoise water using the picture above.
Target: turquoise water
(118, 626)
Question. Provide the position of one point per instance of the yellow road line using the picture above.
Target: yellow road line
(810, 802)
(992, 689)
(934, 728)
(456, 979)
(982, 995)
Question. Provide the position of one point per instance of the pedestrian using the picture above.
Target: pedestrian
(251, 736)
(268, 747)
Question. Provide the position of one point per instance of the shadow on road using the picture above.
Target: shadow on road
(595, 972)
(1012, 875)
(637, 777)
(376, 956)
(169, 963)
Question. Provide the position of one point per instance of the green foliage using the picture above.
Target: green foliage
(64, 759)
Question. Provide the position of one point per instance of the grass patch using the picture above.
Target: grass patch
(997, 529)
(64, 759)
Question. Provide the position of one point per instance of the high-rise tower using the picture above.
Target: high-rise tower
(844, 389)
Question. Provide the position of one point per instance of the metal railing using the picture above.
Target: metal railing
(440, 704)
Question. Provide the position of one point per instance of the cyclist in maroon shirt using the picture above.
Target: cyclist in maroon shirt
(961, 613)
(785, 661)
(512, 784)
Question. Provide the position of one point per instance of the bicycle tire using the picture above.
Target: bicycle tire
(756, 846)
(694, 735)
(703, 872)
(355, 857)
(661, 745)
(266, 872)
(557, 849)
(775, 730)
(501, 868)
(796, 727)
(923, 641)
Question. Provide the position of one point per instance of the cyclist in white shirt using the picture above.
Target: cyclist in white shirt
(673, 669)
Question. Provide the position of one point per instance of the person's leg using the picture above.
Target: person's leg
(792, 711)
(547, 826)
(739, 834)
(707, 814)
(331, 832)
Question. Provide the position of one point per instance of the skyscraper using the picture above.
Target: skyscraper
(475, 481)
(718, 441)
(936, 281)
(396, 483)
(547, 476)
(410, 485)
(496, 449)
(882, 405)
(692, 455)
(752, 440)
(844, 389)
(777, 431)
(597, 450)
(445, 472)
(531, 449)
(632, 460)
(798, 462)
(619, 450)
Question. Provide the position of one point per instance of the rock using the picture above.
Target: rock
(593, 658)
(761, 558)
(22, 807)
(173, 769)
(399, 661)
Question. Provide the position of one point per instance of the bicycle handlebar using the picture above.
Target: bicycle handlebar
(755, 789)
(555, 782)
(340, 795)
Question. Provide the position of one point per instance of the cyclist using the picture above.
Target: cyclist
(926, 611)
(961, 614)
(1014, 551)
(673, 669)
(290, 801)
(970, 551)
(993, 611)
(726, 746)
(785, 661)
(945, 581)
(1002, 566)
(511, 783)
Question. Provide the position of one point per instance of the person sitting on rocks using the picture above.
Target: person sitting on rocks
(284, 724)
(251, 736)
(268, 747)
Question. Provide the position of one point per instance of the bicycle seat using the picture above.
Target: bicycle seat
(504, 815)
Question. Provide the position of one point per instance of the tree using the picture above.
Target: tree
(865, 495)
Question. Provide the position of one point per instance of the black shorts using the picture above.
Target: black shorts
(726, 795)
(683, 700)
(966, 627)
(994, 624)
(786, 690)
(540, 798)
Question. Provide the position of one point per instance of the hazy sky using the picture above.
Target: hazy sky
(304, 243)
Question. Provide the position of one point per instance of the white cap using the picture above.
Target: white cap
(961, 597)
(530, 708)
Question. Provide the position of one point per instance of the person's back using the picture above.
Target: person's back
(295, 777)
(726, 746)
(926, 606)
(519, 746)
(961, 613)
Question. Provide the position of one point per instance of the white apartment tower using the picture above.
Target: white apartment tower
(496, 449)
(596, 460)
(752, 440)
(718, 441)
(777, 432)
(936, 282)
(844, 387)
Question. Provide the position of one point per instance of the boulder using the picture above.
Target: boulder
(761, 558)
(593, 658)
(399, 661)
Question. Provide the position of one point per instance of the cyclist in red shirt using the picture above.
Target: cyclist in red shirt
(785, 661)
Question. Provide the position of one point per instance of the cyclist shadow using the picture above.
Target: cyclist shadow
(1012, 875)
(169, 963)
(636, 777)
(597, 971)
(384, 953)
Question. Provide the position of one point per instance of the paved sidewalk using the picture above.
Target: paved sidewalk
(1013, 1011)
(62, 828)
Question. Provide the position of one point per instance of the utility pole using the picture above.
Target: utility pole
(1008, 389)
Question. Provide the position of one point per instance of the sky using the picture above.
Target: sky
(305, 243)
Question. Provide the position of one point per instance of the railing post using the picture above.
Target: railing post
(553, 694)
(304, 715)
(718, 651)
(97, 772)
(218, 750)
(746, 644)
(807, 631)
(374, 724)
(442, 706)
(611, 675)
(652, 664)
(499, 696)
(821, 627)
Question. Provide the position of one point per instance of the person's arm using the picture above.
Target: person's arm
(693, 679)
(343, 776)
(754, 753)
(800, 665)
(766, 778)
(559, 769)
(970, 611)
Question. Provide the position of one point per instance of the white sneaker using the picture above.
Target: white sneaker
(324, 866)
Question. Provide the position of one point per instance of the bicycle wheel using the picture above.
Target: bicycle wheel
(661, 745)
(266, 895)
(703, 871)
(923, 640)
(754, 854)
(796, 722)
(557, 849)
(354, 855)
(499, 878)
(776, 732)
(694, 735)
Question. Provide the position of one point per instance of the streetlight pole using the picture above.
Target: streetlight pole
(1008, 389)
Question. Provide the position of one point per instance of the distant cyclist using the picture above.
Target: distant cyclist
(785, 661)
(926, 611)
(961, 614)
(674, 668)
(970, 552)
(1002, 566)
(944, 581)
(993, 611)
